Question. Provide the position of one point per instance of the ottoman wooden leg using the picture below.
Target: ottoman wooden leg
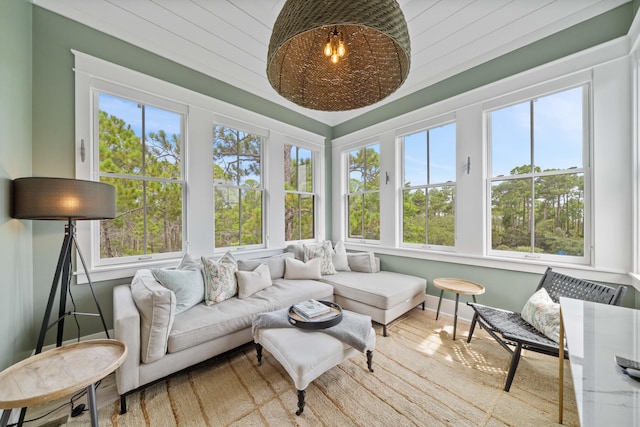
(370, 360)
(301, 394)
(259, 354)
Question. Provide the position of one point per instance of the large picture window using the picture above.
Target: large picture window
(538, 175)
(237, 175)
(363, 197)
(428, 187)
(299, 193)
(140, 154)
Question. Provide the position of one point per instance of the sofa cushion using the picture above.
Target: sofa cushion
(297, 249)
(250, 282)
(384, 289)
(219, 278)
(187, 285)
(364, 262)
(204, 323)
(275, 264)
(157, 307)
(340, 260)
(295, 269)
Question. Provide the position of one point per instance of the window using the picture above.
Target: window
(428, 187)
(140, 148)
(299, 210)
(538, 175)
(363, 194)
(237, 175)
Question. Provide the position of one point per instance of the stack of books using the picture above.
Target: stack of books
(311, 309)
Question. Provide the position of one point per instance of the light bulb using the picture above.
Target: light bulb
(341, 49)
(334, 58)
(327, 49)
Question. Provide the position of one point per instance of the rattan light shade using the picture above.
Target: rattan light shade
(376, 63)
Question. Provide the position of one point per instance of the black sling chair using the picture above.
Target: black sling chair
(510, 330)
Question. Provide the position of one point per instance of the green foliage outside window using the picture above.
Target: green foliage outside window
(299, 196)
(364, 193)
(237, 176)
(143, 163)
(428, 193)
(538, 183)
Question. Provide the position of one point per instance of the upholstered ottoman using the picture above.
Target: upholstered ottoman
(305, 354)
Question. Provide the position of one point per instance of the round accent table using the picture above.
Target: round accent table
(458, 286)
(59, 372)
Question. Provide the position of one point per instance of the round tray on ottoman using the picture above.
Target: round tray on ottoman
(321, 322)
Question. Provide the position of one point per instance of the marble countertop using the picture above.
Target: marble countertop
(596, 333)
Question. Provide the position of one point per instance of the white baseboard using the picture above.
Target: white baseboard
(447, 308)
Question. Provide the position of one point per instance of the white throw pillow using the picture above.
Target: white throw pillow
(157, 307)
(364, 262)
(250, 282)
(543, 314)
(340, 261)
(322, 250)
(296, 270)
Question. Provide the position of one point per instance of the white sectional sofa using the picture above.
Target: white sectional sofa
(161, 342)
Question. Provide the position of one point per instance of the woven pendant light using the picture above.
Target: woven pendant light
(376, 62)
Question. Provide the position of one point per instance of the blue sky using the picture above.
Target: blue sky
(558, 133)
(156, 119)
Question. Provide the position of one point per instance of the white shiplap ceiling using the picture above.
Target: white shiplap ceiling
(228, 39)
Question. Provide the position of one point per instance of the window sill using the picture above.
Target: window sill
(527, 266)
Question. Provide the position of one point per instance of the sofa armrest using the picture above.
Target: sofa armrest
(126, 326)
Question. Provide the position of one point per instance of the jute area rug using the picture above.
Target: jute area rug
(421, 378)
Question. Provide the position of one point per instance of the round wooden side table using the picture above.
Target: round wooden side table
(458, 286)
(59, 372)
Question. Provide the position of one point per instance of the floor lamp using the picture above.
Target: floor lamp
(62, 199)
(68, 200)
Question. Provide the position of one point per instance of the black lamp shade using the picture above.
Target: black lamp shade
(62, 199)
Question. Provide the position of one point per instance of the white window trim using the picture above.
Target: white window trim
(315, 161)
(264, 143)
(203, 112)
(345, 190)
(427, 125)
(584, 81)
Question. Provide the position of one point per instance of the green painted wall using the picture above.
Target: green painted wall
(16, 304)
(507, 289)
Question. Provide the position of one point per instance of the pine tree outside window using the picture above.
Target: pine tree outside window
(538, 176)
(140, 154)
(238, 188)
(429, 187)
(363, 194)
(299, 193)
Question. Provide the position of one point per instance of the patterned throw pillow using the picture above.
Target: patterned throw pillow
(219, 278)
(322, 250)
(543, 314)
